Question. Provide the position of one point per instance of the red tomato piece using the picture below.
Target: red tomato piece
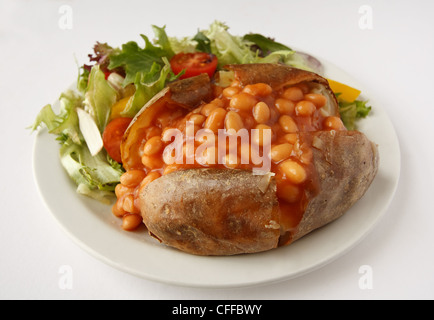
(112, 137)
(194, 64)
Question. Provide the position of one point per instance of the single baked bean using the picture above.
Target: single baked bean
(152, 162)
(229, 92)
(153, 146)
(304, 108)
(128, 204)
(317, 99)
(258, 134)
(242, 101)
(293, 171)
(258, 89)
(197, 119)
(285, 106)
(261, 112)
(218, 102)
(293, 94)
(233, 121)
(288, 192)
(170, 168)
(131, 222)
(149, 178)
(291, 137)
(132, 178)
(281, 152)
(333, 123)
(208, 108)
(288, 124)
(118, 209)
(121, 190)
(215, 120)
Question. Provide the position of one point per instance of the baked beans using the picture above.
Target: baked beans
(243, 101)
(293, 94)
(261, 112)
(233, 121)
(280, 114)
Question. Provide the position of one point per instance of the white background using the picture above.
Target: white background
(393, 60)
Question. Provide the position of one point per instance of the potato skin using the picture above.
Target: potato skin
(227, 212)
(346, 163)
(213, 211)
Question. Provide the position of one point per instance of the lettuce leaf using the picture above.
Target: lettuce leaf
(99, 97)
(148, 84)
(134, 59)
(352, 111)
(66, 122)
(95, 176)
(264, 44)
(229, 49)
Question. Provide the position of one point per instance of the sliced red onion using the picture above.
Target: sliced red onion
(312, 62)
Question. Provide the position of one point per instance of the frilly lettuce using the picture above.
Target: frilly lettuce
(95, 176)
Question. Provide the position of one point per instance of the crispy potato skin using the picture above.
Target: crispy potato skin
(279, 76)
(190, 92)
(346, 163)
(227, 212)
(212, 211)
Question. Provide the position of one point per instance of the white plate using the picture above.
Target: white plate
(93, 226)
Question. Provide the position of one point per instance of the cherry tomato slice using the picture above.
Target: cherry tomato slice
(106, 74)
(112, 137)
(194, 64)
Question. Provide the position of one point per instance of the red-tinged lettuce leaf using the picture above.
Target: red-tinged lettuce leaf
(134, 59)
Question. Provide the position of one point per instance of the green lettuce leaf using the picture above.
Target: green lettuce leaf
(66, 122)
(95, 176)
(229, 49)
(148, 84)
(203, 42)
(135, 59)
(100, 97)
(264, 44)
(352, 111)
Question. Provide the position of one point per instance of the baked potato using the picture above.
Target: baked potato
(224, 203)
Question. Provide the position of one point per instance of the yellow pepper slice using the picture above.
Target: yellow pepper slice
(118, 107)
(347, 93)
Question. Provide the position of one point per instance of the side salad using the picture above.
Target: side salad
(117, 82)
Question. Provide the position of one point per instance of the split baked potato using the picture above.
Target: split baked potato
(216, 202)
